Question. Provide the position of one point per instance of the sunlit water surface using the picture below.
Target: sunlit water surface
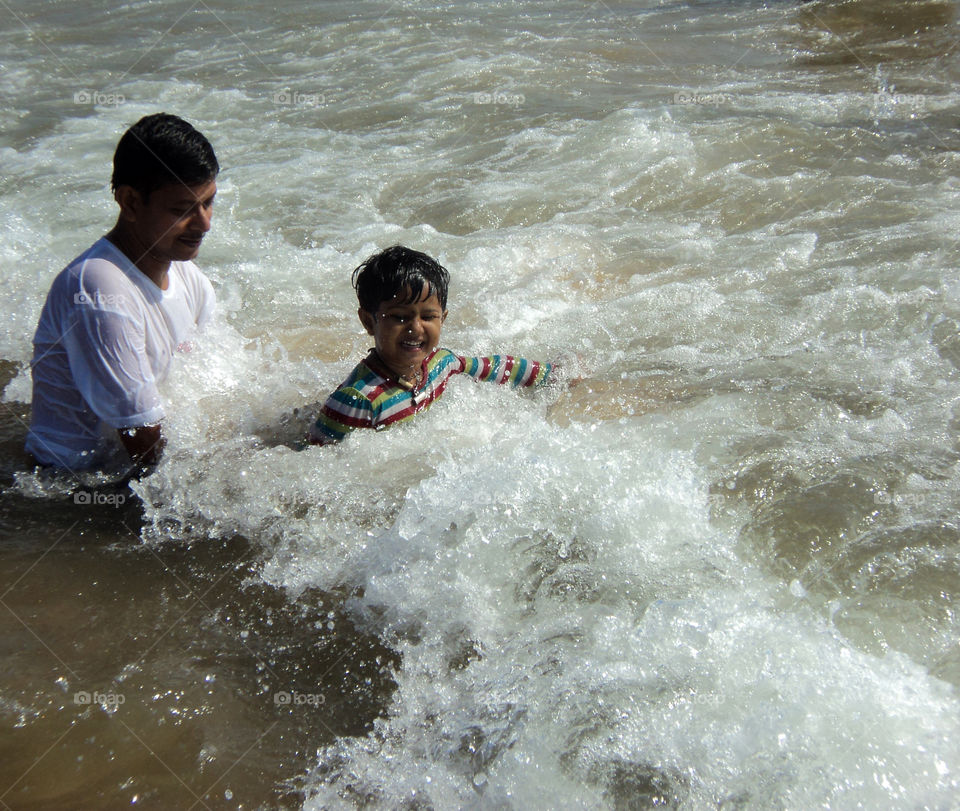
(720, 572)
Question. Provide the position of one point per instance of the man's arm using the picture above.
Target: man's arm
(105, 340)
(144, 444)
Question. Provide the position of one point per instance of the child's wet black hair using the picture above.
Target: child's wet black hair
(387, 274)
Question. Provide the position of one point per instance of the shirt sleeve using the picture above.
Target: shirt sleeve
(504, 369)
(106, 350)
(345, 410)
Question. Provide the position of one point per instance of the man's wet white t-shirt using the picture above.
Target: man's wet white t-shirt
(106, 337)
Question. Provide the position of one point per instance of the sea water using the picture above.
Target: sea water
(722, 571)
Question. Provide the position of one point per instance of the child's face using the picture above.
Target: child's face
(405, 333)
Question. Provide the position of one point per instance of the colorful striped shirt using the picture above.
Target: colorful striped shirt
(371, 397)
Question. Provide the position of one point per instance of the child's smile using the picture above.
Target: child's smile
(406, 332)
(403, 295)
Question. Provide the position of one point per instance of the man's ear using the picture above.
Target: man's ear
(444, 318)
(367, 319)
(129, 200)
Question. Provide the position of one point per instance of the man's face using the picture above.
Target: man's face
(405, 331)
(170, 223)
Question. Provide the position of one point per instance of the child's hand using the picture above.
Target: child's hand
(571, 370)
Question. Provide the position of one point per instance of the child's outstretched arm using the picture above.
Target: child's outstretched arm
(504, 369)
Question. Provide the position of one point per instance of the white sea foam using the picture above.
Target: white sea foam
(722, 570)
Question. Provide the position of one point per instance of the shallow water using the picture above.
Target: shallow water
(720, 572)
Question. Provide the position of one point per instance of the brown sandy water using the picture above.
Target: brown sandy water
(722, 572)
(165, 675)
(151, 677)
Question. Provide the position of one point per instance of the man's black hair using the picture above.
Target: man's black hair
(387, 274)
(160, 149)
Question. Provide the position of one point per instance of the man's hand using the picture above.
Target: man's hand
(144, 444)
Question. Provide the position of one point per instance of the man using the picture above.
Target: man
(115, 316)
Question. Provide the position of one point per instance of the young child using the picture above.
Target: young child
(403, 304)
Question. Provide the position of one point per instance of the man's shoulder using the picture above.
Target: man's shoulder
(95, 272)
(193, 280)
(188, 270)
(102, 253)
(96, 252)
